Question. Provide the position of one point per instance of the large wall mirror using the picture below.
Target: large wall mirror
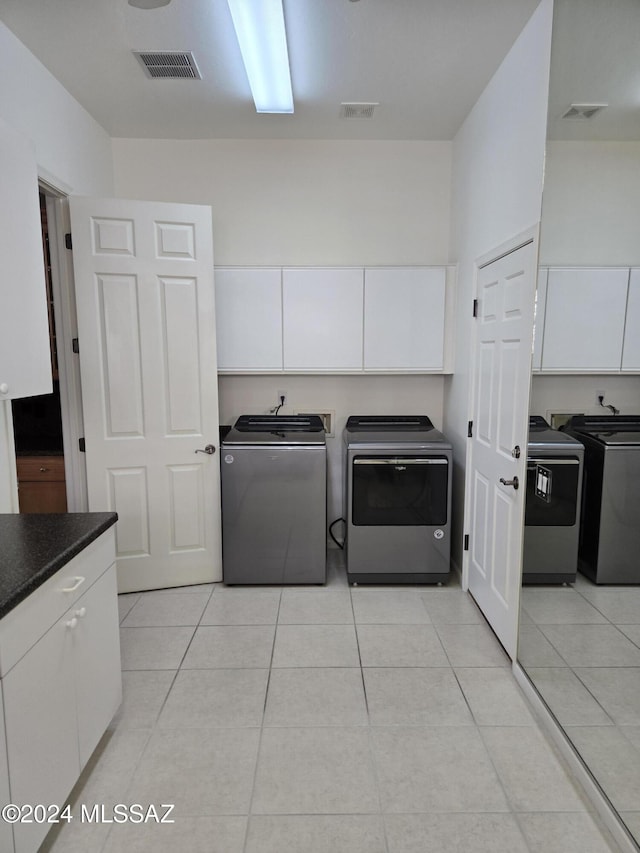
(579, 643)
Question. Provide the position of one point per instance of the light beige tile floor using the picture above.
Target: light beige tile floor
(325, 720)
(580, 646)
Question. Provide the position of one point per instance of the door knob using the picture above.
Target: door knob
(515, 482)
(209, 449)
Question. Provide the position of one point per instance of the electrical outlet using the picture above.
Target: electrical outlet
(282, 398)
(598, 395)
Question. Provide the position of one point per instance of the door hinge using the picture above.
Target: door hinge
(475, 307)
(82, 445)
(470, 430)
(75, 345)
(466, 541)
(67, 241)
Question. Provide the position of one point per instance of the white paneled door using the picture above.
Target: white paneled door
(146, 324)
(497, 481)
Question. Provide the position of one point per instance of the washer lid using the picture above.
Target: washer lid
(391, 423)
(277, 429)
(611, 430)
(542, 436)
(392, 430)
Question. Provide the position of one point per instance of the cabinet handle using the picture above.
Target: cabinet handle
(81, 612)
(4, 388)
(71, 623)
(43, 469)
(77, 582)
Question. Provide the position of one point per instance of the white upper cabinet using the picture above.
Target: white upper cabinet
(538, 328)
(249, 319)
(332, 319)
(584, 319)
(631, 348)
(25, 358)
(404, 313)
(322, 319)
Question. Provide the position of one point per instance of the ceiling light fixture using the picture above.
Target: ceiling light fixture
(259, 26)
(149, 4)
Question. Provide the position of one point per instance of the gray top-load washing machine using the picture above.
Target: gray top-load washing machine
(397, 500)
(274, 499)
(552, 507)
(610, 531)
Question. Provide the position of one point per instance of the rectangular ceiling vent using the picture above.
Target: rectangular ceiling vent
(581, 112)
(357, 110)
(169, 65)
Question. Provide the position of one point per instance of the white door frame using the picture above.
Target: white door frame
(530, 235)
(68, 363)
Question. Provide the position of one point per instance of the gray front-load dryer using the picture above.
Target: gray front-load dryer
(274, 498)
(610, 529)
(552, 507)
(397, 500)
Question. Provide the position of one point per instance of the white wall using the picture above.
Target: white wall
(591, 204)
(577, 394)
(309, 203)
(302, 202)
(73, 153)
(590, 216)
(498, 157)
(72, 149)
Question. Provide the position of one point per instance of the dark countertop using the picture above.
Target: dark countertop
(35, 546)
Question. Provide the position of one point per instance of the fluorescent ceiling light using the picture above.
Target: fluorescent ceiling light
(259, 26)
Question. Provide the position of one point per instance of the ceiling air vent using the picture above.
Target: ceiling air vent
(583, 111)
(357, 110)
(169, 65)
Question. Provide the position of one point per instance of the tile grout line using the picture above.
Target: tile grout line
(262, 728)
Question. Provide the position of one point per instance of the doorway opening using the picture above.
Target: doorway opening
(37, 421)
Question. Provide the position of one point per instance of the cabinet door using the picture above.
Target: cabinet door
(6, 833)
(404, 318)
(25, 357)
(584, 320)
(41, 484)
(41, 728)
(249, 319)
(322, 319)
(97, 660)
(631, 348)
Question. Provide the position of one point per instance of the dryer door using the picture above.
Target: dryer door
(400, 490)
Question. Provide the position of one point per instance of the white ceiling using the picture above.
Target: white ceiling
(595, 58)
(425, 62)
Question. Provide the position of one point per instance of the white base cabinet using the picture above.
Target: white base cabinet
(63, 682)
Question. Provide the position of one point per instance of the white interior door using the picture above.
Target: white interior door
(501, 382)
(146, 324)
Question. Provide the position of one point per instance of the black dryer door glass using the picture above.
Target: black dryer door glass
(400, 490)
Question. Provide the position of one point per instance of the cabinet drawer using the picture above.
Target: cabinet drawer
(40, 468)
(23, 626)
